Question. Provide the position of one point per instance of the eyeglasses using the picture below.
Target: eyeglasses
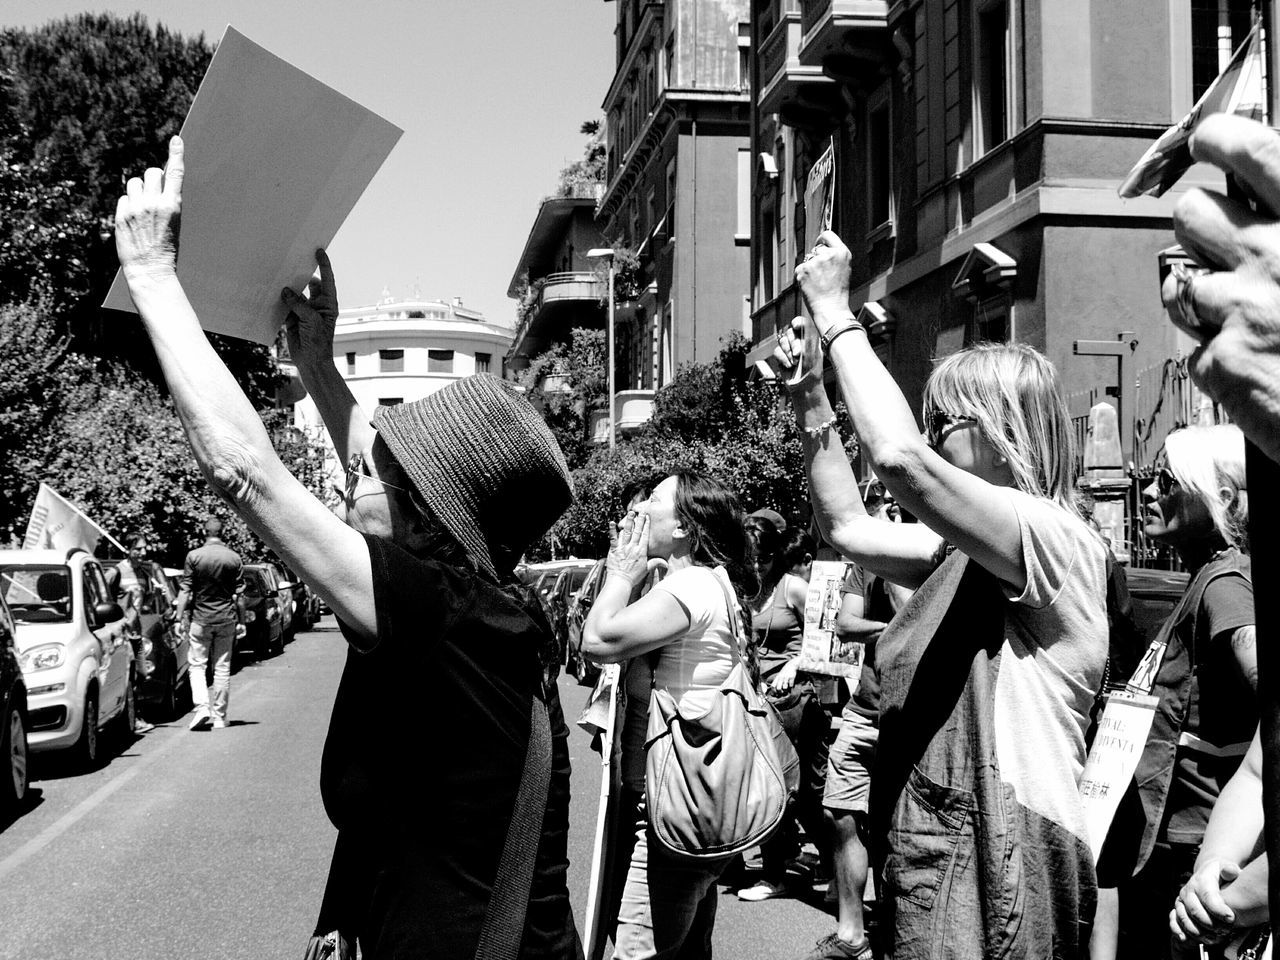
(1165, 481)
(940, 424)
(357, 470)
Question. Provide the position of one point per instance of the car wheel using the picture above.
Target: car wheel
(13, 747)
(167, 706)
(276, 647)
(86, 748)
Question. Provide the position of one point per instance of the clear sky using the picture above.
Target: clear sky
(490, 95)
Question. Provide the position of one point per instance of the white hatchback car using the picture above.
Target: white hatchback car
(76, 660)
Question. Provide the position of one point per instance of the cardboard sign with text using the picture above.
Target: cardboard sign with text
(275, 161)
(1113, 760)
(821, 651)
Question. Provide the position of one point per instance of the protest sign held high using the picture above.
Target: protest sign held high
(254, 119)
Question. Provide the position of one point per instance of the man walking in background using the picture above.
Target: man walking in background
(210, 581)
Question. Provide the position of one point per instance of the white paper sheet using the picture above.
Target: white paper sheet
(275, 160)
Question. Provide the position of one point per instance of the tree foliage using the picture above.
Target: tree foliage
(85, 103)
(577, 387)
(710, 418)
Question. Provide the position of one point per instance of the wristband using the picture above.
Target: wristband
(838, 330)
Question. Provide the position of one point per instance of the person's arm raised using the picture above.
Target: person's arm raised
(227, 437)
(977, 516)
(310, 328)
(903, 553)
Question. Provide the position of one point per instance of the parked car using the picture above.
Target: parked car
(264, 619)
(304, 603)
(585, 672)
(162, 671)
(14, 772)
(567, 583)
(76, 661)
(284, 595)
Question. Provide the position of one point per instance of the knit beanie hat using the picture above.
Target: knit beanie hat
(484, 462)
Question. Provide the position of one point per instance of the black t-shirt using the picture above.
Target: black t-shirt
(423, 761)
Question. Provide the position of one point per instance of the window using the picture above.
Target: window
(634, 221)
(993, 75)
(390, 401)
(786, 269)
(439, 361)
(666, 349)
(669, 62)
(391, 361)
(743, 234)
(744, 56)
(879, 162)
(482, 362)
(351, 364)
(1217, 28)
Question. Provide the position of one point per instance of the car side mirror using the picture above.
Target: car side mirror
(287, 585)
(107, 612)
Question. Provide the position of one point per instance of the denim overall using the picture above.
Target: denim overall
(968, 871)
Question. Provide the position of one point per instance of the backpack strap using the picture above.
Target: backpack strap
(504, 920)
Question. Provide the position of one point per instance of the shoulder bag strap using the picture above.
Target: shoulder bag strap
(735, 625)
(504, 921)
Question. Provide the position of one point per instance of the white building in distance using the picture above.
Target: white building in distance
(398, 351)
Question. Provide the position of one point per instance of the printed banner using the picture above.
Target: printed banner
(1113, 760)
(57, 524)
(822, 652)
(819, 197)
(275, 160)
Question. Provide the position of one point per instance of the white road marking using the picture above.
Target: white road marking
(89, 803)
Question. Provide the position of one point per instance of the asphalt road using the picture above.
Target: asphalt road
(214, 844)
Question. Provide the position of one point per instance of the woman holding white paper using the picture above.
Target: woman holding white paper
(451, 840)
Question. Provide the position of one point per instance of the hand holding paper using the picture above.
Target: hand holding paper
(310, 324)
(147, 221)
(824, 280)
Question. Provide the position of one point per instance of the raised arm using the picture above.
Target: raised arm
(964, 509)
(310, 327)
(902, 553)
(227, 437)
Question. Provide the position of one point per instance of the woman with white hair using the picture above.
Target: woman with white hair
(1203, 667)
(989, 672)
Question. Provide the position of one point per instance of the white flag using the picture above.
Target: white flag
(57, 524)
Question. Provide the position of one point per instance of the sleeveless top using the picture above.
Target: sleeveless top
(777, 629)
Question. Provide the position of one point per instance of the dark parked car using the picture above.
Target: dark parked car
(306, 609)
(284, 594)
(13, 717)
(264, 620)
(162, 672)
(566, 586)
(581, 670)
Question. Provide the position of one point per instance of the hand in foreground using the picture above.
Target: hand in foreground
(1234, 309)
(799, 348)
(309, 326)
(824, 280)
(1199, 913)
(629, 548)
(785, 678)
(148, 218)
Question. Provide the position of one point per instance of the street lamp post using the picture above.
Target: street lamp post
(606, 253)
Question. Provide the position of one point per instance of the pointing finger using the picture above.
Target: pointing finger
(151, 180)
(175, 169)
(326, 273)
(133, 189)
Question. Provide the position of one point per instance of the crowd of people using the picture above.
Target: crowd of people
(988, 622)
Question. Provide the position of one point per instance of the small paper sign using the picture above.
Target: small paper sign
(1113, 760)
(275, 160)
(821, 651)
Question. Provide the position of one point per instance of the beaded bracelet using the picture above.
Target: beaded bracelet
(820, 429)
